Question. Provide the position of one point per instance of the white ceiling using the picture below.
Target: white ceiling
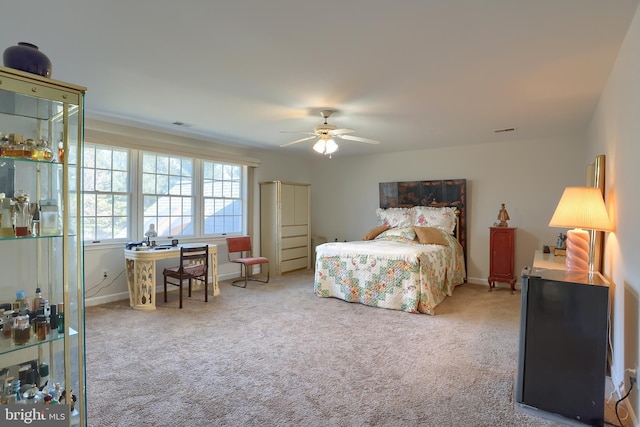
(410, 73)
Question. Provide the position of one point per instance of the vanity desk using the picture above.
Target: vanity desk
(141, 273)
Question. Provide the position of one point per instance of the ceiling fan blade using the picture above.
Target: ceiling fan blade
(300, 132)
(338, 132)
(359, 139)
(298, 140)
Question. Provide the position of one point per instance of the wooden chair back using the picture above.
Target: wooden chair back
(194, 261)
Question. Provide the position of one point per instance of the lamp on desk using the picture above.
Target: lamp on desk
(151, 233)
(583, 209)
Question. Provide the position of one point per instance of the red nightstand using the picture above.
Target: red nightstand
(502, 256)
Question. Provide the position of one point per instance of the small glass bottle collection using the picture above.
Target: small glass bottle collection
(25, 323)
(32, 384)
(15, 146)
(28, 321)
(21, 218)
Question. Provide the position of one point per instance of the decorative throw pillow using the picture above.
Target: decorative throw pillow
(442, 218)
(430, 236)
(373, 233)
(394, 217)
(403, 234)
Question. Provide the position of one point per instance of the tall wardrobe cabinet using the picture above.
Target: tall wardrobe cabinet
(285, 229)
(41, 292)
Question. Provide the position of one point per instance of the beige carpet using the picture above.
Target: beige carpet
(276, 355)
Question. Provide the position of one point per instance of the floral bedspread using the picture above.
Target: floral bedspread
(405, 276)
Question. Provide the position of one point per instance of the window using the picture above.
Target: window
(222, 194)
(127, 190)
(106, 197)
(167, 190)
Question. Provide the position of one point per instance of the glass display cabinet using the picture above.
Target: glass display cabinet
(42, 358)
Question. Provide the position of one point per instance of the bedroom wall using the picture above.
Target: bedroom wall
(528, 176)
(615, 131)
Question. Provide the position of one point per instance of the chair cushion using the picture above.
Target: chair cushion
(171, 270)
(252, 261)
(190, 270)
(195, 269)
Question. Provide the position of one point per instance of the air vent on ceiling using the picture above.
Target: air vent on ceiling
(183, 124)
(505, 130)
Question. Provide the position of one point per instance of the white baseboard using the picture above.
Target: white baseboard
(88, 302)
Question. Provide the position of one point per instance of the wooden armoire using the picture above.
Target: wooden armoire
(285, 229)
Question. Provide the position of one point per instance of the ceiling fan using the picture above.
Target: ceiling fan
(325, 134)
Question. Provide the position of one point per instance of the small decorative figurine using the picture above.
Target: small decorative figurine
(562, 241)
(503, 216)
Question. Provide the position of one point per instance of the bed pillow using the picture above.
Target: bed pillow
(394, 217)
(431, 236)
(401, 234)
(442, 218)
(375, 231)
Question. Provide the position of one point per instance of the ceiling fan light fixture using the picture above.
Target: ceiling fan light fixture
(325, 134)
(319, 146)
(328, 146)
(331, 147)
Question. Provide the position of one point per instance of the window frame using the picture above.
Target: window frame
(127, 193)
(136, 219)
(169, 194)
(225, 196)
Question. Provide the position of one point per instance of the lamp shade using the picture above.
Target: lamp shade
(581, 207)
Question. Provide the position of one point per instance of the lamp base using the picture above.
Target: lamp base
(577, 250)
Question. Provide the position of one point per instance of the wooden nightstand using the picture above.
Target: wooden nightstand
(502, 256)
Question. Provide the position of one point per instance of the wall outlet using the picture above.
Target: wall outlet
(105, 273)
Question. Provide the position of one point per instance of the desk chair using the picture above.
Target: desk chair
(239, 251)
(194, 265)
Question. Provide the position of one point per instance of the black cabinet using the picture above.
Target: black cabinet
(563, 344)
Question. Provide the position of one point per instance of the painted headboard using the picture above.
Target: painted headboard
(440, 193)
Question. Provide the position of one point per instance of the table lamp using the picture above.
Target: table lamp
(151, 233)
(583, 209)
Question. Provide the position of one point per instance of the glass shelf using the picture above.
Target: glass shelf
(7, 346)
(27, 160)
(25, 238)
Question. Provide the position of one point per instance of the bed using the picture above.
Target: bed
(411, 261)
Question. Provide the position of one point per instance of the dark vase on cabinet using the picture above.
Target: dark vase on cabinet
(27, 57)
(502, 256)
